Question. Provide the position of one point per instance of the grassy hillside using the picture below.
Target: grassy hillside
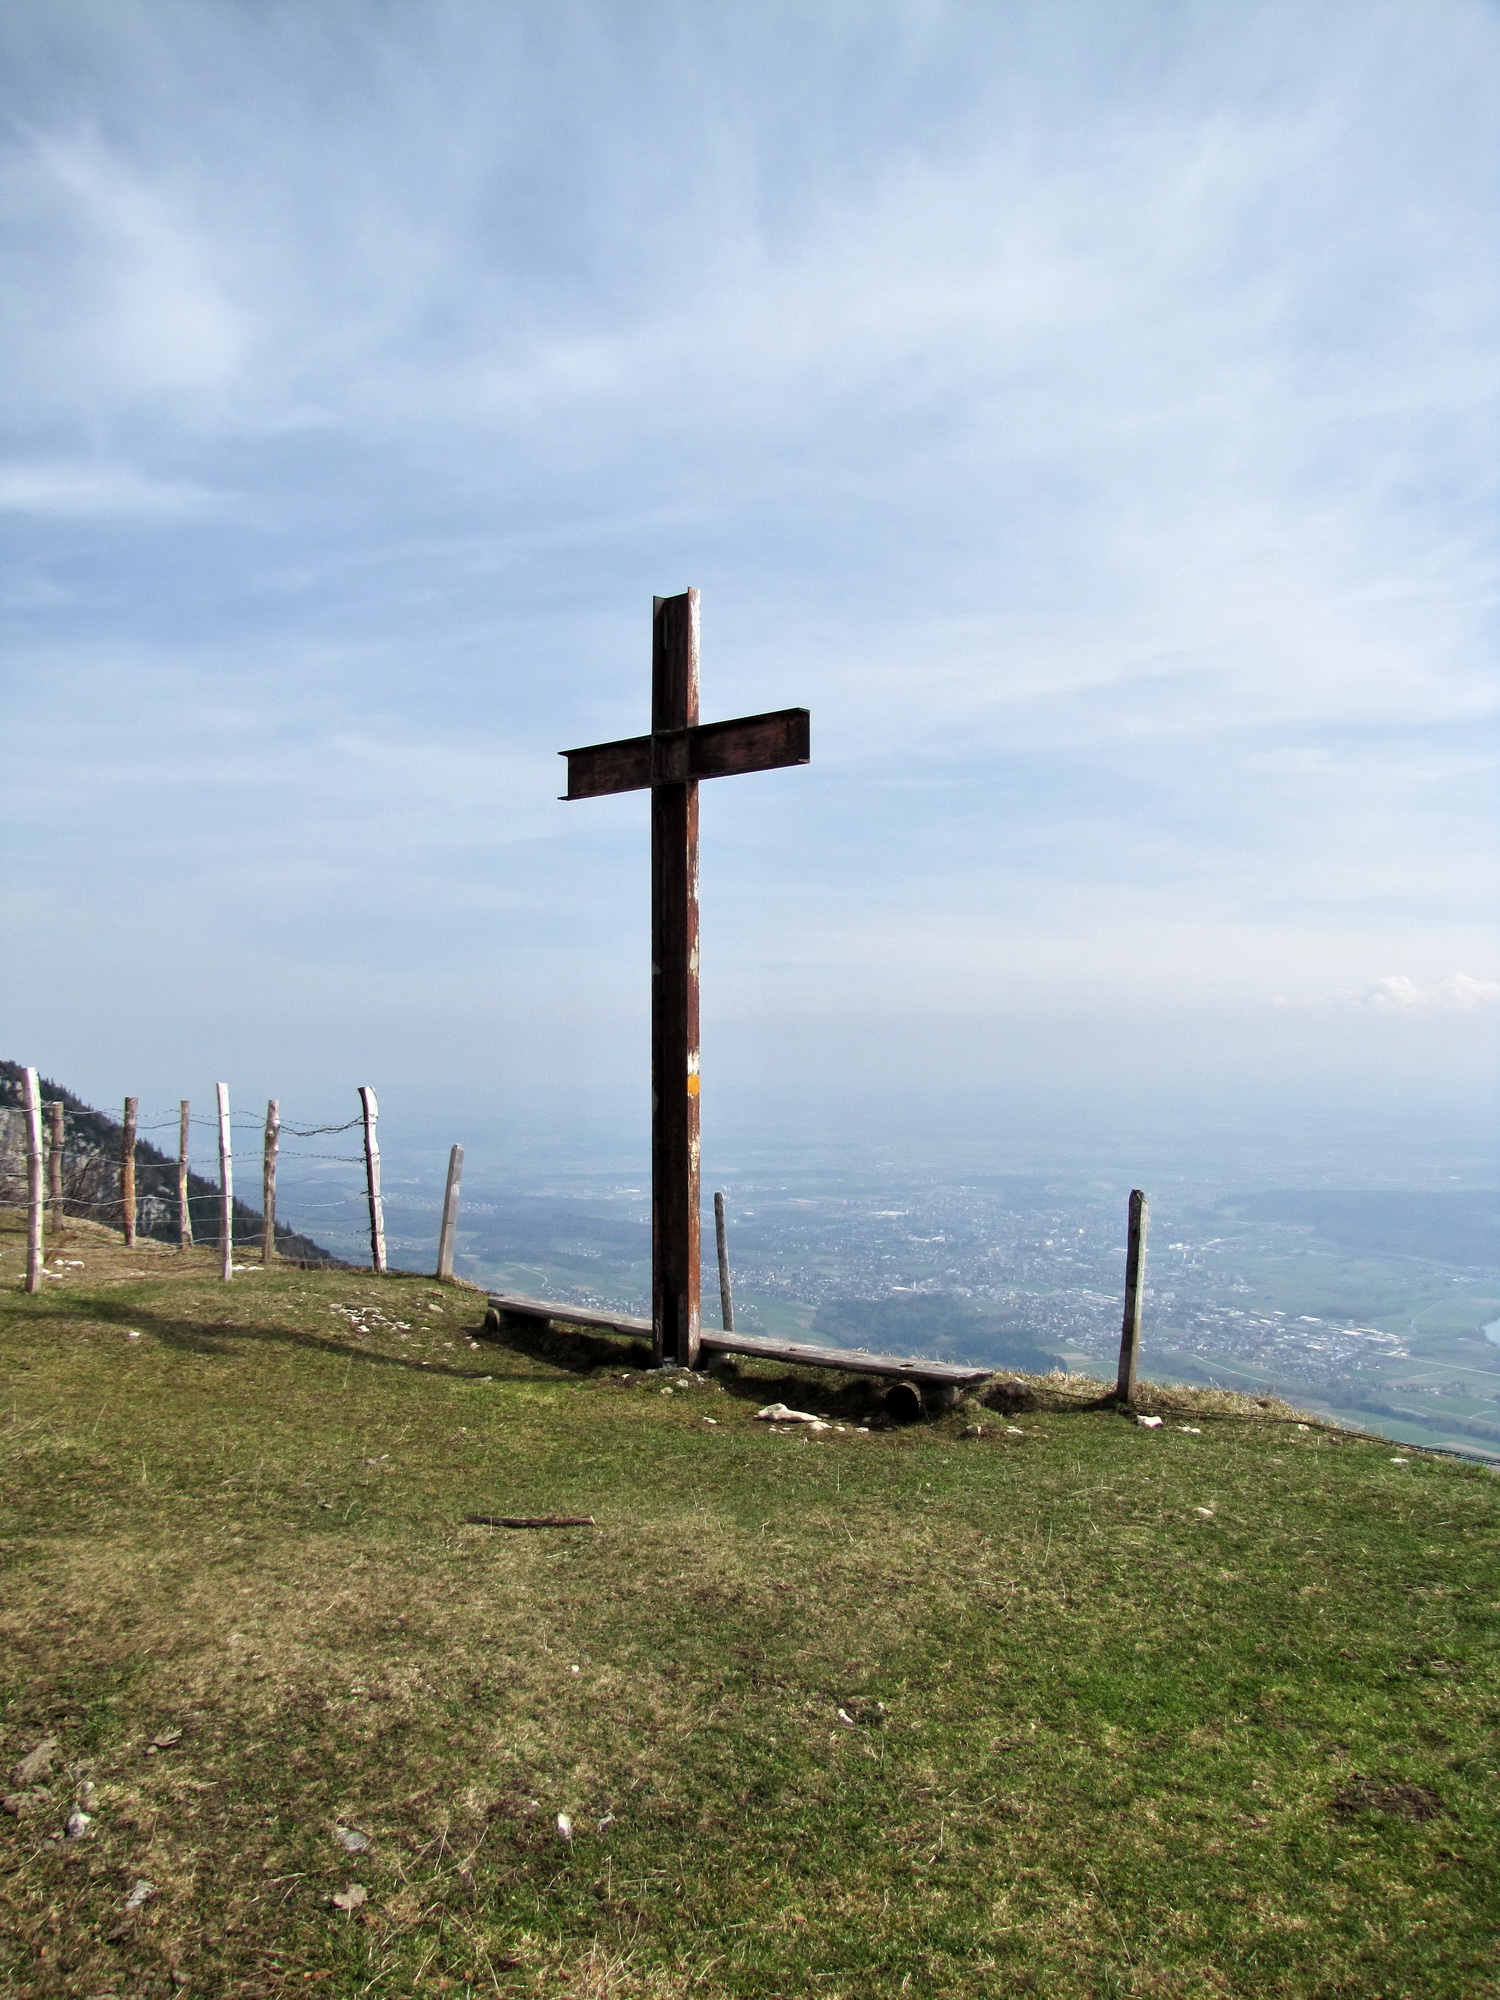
(1070, 1708)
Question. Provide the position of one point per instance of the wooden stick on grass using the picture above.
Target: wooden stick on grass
(531, 1520)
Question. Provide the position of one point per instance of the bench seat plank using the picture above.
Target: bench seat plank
(799, 1353)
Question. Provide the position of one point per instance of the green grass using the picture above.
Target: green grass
(1100, 1741)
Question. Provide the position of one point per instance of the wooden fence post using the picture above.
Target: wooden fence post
(184, 1213)
(32, 1098)
(372, 1177)
(268, 1183)
(226, 1187)
(726, 1296)
(1135, 1285)
(449, 1229)
(127, 1169)
(55, 1166)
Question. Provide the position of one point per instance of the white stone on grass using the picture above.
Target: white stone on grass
(778, 1413)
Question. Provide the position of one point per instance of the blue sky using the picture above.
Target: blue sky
(1087, 411)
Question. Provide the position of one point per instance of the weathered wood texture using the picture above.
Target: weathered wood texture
(56, 1145)
(676, 1277)
(226, 1186)
(448, 1234)
(268, 1183)
(127, 1169)
(1135, 1285)
(184, 1211)
(371, 1111)
(31, 1099)
(771, 742)
(526, 1307)
(726, 1290)
(803, 1354)
(854, 1360)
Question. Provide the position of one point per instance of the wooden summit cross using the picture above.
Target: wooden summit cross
(669, 762)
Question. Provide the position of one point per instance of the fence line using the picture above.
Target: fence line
(159, 1189)
(253, 1125)
(154, 1203)
(44, 1181)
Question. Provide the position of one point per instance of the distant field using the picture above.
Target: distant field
(1073, 1708)
(1398, 1297)
(1461, 1228)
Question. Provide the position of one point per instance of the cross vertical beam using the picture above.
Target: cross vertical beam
(669, 764)
(676, 1271)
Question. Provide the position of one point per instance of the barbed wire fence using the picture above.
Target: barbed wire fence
(61, 1157)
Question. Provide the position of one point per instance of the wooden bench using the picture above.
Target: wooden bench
(950, 1375)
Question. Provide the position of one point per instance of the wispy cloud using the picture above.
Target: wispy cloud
(64, 491)
(1397, 994)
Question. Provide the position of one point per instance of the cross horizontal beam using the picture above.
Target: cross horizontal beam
(676, 756)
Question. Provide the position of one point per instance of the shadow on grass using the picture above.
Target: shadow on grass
(221, 1338)
(832, 1393)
